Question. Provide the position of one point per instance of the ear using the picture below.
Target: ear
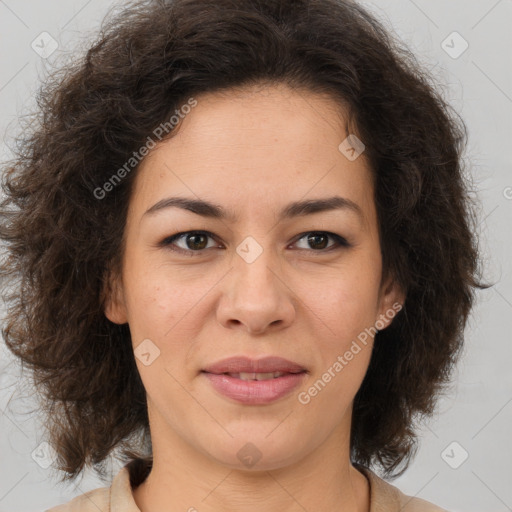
(391, 301)
(112, 297)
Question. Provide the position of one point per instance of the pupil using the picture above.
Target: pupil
(314, 239)
(194, 243)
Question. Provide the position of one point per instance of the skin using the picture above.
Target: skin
(252, 151)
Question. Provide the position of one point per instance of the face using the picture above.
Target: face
(253, 277)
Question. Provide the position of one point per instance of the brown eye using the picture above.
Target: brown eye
(196, 241)
(191, 241)
(318, 241)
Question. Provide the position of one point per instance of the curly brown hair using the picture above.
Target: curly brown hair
(62, 241)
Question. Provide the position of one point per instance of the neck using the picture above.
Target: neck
(182, 479)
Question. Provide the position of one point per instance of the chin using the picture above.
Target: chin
(255, 452)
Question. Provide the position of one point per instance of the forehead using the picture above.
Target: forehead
(275, 117)
(256, 146)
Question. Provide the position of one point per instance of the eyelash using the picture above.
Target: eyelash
(168, 242)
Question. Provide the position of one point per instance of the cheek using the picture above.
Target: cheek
(345, 310)
(348, 316)
(348, 300)
(168, 308)
(157, 292)
(158, 310)
(343, 349)
(154, 303)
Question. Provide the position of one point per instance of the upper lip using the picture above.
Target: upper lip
(244, 364)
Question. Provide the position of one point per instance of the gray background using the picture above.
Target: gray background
(476, 411)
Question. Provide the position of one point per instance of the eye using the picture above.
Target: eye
(197, 241)
(192, 241)
(319, 239)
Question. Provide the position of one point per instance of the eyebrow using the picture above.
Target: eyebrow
(295, 209)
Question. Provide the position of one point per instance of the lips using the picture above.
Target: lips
(254, 369)
(254, 381)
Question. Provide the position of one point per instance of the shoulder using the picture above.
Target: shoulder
(106, 499)
(385, 497)
(410, 504)
(97, 500)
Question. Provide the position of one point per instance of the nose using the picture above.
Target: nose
(256, 297)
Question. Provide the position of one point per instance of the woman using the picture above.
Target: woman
(243, 254)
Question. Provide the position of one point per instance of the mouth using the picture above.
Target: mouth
(254, 381)
(246, 368)
(254, 388)
(248, 376)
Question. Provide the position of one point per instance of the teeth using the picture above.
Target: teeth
(256, 376)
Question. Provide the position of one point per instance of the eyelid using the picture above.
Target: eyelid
(340, 241)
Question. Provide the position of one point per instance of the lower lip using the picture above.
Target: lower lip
(255, 391)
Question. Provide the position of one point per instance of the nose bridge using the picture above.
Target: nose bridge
(256, 295)
(255, 268)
